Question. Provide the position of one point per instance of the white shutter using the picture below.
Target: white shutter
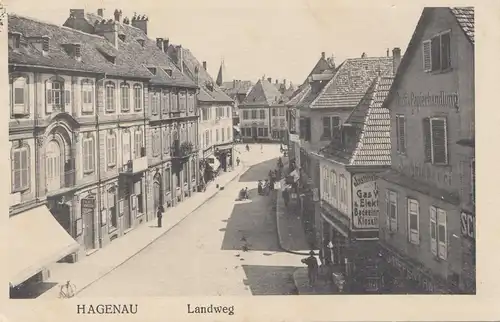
(433, 230)
(426, 55)
(413, 233)
(48, 97)
(24, 168)
(442, 234)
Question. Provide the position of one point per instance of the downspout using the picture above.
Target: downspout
(144, 141)
(99, 181)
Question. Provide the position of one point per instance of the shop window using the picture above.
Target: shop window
(19, 96)
(140, 197)
(193, 170)
(413, 221)
(401, 134)
(185, 173)
(437, 53)
(439, 245)
(266, 132)
(20, 167)
(435, 140)
(391, 203)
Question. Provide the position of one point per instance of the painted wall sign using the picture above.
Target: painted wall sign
(427, 172)
(365, 210)
(467, 221)
(411, 274)
(441, 99)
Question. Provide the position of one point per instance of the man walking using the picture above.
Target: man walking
(312, 267)
(159, 214)
(286, 196)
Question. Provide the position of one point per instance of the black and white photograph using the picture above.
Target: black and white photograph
(226, 149)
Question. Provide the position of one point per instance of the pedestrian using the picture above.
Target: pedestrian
(237, 161)
(248, 148)
(312, 267)
(159, 214)
(259, 187)
(266, 187)
(261, 148)
(286, 196)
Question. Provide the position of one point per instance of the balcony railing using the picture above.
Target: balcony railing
(56, 184)
(182, 150)
(136, 165)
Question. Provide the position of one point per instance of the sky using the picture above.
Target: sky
(281, 39)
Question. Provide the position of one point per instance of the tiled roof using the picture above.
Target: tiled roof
(209, 91)
(263, 93)
(315, 89)
(465, 18)
(369, 126)
(92, 47)
(299, 95)
(374, 146)
(351, 81)
(236, 87)
(149, 55)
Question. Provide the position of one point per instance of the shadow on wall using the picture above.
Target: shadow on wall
(31, 290)
(252, 224)
(259, 171)
(270, 280)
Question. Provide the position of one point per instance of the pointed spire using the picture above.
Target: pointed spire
(219, 75)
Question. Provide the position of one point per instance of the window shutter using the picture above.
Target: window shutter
(24, 168)
(426, 53)
(401, 134)
(442, 238)
(436, 53)
(445, 51)
(48, 97)
(326, 127)
(426, 129)
(413, 232)
(433, 230)
(16, 173)
(387, 210)
(67, 97)
(439, 144)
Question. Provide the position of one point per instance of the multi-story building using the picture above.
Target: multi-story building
(348, 190)
(262, 112)
(215, 132)
(427, 197)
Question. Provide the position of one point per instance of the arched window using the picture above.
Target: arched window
(137, 97)
(125, 97)
(110, 97)
(19, 96)
(53, 165)
(57, 97)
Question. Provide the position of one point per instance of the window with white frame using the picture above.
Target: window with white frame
(138, 144)
(53, 165)
(262, 114)
(435, 140)
(110, 97)
(137, 97)
(57, 98)
(413, 221)
(126, 146)
(156, 142)
(439, 245)
(125, 97)
(331, 124)
(19, 95)
(88, 154)
(87, 89)
(391, 202)
(166, 102)
(111, 149)
(333, 185)
(401, 134)
(154, 103)
(20, 167)
(343, 191)
(437, 52)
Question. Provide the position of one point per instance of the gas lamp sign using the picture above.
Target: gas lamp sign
(365, 210)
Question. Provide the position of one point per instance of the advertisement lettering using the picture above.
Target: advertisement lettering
(468, 225)
(365, 202)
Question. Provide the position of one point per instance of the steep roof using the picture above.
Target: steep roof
(263, 93)
(149, 55)
(351, 81)
(219, 76)
(465, 19)
(236, 87)
(369, 125)
(93, 50)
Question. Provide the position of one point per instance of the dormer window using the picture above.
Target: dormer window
(168, 71)
(108, 57)
(77, 51)
(45, 44)
(152, 70)
(140, 41)
(16, 40)
(122, 37)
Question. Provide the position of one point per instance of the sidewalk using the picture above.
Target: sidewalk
(291, 234)
(322, 287)
(91, 268)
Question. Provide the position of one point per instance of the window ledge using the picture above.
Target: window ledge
(20, 190)
(88, 172)
(112, 230)
(441, 71)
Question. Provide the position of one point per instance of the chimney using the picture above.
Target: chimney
(396, 59)
(363, 55)
(388, 52)
(159, 43)
(77, 13)
(118, 15)
(269, 79)
(205, 65)
(166, 43)
(323, 55)
(109, 30)
(234, 83)
(180, 58)
(141, 22)
(100, 12)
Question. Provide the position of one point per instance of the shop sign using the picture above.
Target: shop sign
(421, 99)
(468, 224)
(365, 210)
(294, 138)
(88, 206)
(411, 274)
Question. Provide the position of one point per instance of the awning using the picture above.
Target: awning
(37, 240)
(214, 163)
(237, 128)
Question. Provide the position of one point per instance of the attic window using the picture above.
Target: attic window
(108, 57)
(77, 51)
(210, 86)
(122, 37)
(152, 70)
(45, 43)
(16, 37)
(140, 41)
(168, 71)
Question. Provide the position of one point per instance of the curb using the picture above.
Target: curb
(279, 234)
(243, 170)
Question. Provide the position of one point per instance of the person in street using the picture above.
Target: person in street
(159, 214)
(237, 161)
(286, 196)
(246, 193)
(266, 187)
(259, 187)
(261, 148)
(247, 147)
(312, 267)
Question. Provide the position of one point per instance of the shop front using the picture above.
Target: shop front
(224, 153)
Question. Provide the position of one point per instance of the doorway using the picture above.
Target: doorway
(88, 229)
(157, 194)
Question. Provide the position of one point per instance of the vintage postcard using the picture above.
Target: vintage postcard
(223, 160)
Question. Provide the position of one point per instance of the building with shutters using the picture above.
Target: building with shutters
(427, 197)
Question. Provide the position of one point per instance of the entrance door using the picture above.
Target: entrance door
(88, 229)
(127, 221)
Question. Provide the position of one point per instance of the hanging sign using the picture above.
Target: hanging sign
(365, 211)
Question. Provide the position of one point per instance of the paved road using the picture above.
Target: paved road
(202, 256)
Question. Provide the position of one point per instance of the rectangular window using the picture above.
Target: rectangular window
(266, 132)
(88, 155)
(207, 138)
(125, 96)
(426, 129)
(87, 98)
(166, 102)
(442, 234)
(254, 114)
(262, 114)
(222, 135)
(327, 128)
(110, 97)
(182, 101)
(392, 210)
(168, 182)
(439, 151)
(217, 135)
(228, 111)
(274, 111)
(437, 53)
(401, 133)
(245, 115)
(229, 134)
(138, 144)
(137, 97)
(413, 221)
(111, 150)
(174, 102)
(19, 96)
(20, 169)
(154, 103)
(126, 147)
(433, 230)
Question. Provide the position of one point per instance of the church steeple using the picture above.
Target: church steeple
(219, 75)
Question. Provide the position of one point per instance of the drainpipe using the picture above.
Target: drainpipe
(146, 183)
(99, 181)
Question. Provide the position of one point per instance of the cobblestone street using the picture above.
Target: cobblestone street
(203, 254)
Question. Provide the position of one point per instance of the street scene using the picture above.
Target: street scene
(147, 175)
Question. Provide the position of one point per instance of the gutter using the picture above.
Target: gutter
(99, 181)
